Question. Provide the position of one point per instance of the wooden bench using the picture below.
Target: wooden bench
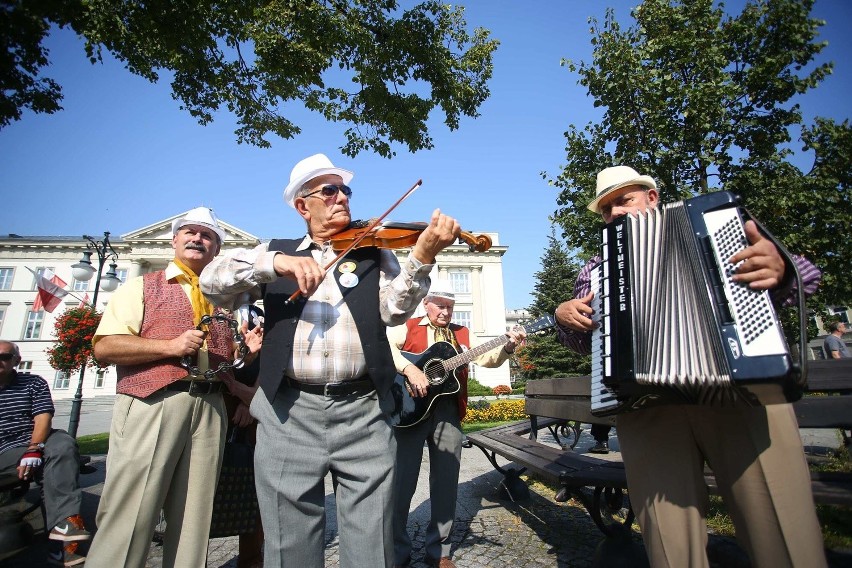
(561, 405)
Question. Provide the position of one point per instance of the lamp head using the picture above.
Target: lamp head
(110, 281)
(83, 270)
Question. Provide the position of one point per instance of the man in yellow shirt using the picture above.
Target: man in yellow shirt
(168, 426)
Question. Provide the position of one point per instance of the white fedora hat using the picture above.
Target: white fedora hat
(614, 178)
(441, 289)
(309, 168)
(203, 216)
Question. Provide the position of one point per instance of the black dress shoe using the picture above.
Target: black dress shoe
(600, 448)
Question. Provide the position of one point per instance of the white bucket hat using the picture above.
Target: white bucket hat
(309, 168)
(614, 178)
(441, 289)
(203, 216)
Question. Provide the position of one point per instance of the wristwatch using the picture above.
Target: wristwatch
(40, 445)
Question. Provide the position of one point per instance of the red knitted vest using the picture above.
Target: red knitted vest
(415, 342)
(168, 313)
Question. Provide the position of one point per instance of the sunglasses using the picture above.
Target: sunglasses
(329, 191)
(6, 356)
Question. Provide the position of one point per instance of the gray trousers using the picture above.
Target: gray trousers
(303, 437)
(60, 475)
(441, 432)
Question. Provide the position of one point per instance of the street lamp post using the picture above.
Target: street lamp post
(84, 271)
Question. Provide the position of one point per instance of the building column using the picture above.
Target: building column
(136, 268)
(478, 307)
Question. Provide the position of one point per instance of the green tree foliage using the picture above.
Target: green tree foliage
(369, 64)
(701, 100)
(543, 356)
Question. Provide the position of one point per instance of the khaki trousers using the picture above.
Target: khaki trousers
(165, 452)
(757, 457)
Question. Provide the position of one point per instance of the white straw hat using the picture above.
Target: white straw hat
(614, 178)
(441, 289)
(203, 216)
(309, 168)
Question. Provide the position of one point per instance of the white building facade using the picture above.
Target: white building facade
(476, 277)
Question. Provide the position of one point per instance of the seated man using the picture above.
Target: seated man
(29, 443)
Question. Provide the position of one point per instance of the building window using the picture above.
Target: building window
(460, 282)
(81, 285)
(34, 321)
(461, 318)
(25, 366)
(99, 378)
(121, 273)
(61, 381)
(2, 316)
(6, 275)
(841, 313)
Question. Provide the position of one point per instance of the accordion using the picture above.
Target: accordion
(673, 327)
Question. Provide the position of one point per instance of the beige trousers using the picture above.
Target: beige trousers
(165, 452)
(757, 457)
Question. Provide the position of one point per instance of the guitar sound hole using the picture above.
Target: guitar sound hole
(434, 371)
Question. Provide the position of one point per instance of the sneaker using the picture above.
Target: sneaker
(70, 529)
(600, 448)
(65, 556)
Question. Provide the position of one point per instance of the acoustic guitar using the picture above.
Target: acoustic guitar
(439, 363)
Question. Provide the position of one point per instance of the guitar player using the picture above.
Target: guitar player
(441, 429)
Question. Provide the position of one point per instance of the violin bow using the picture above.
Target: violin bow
(369, 228)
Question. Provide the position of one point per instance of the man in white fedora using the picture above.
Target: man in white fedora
(755, 451)
(326, 370)
(168, 426)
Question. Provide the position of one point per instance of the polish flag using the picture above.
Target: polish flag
(85, 301)
(50, 291)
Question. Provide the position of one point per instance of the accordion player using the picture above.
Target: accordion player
(672, 326)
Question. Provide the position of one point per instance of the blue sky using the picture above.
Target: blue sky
(123, 155)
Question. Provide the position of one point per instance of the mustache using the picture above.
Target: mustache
(196, 246)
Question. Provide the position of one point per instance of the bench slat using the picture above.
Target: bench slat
(830, 375)
(577, 409)
(824, 411)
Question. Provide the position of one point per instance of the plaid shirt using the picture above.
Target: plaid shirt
(327, 346)
(581, 342)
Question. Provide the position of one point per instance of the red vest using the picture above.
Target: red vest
(168, 313)
(416, 342)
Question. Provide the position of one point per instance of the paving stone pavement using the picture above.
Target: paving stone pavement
(490, 531)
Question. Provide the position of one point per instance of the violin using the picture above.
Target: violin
(389, 235)
(394, 235)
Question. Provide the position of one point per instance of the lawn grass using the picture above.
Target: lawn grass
(469, 427)
(93, 444)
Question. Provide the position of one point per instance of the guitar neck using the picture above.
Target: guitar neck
(471, 354)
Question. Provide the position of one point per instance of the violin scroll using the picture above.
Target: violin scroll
(476, 243)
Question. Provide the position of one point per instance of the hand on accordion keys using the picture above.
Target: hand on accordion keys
(762, 267)
(577, 313)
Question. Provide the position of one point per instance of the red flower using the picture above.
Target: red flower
(74, 331)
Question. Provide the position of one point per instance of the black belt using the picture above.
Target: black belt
(196, 387)
(346, 388)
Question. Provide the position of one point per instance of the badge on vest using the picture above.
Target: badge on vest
(348, 280)
(346, 267)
